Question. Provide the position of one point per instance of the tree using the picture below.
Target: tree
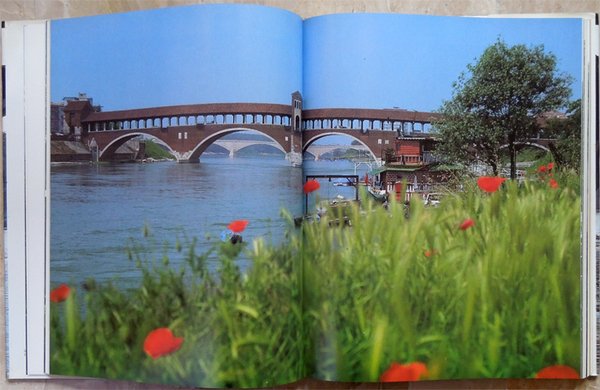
(566, 150)
(496, 103)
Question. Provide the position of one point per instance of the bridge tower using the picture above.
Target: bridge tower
(296, 112)
(295, 155)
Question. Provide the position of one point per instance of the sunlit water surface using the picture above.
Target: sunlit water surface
(98, 211)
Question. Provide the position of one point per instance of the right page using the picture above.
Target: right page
(462, 256)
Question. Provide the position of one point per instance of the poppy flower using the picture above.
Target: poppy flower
(553, 184)
(60, 293)
(550, 166)
(429, 252)
(557, 372)
(238, 226)
(467, 223)
(490, 183)
(161, 342)
(404, 372)
(542, 169)
(310, 186)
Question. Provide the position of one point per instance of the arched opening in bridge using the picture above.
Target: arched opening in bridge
(250, 144)
(130, 146)
(239, 142)
(528, 153)
(337, 146)
(334, 153)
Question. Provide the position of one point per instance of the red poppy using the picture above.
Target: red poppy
(430, 252)
(490, 183)
(467, 223)
(550, 166)
(553, 184)
(557, 372)
(541, 169)
(60, 293)
(161, 342)
(404, 372)
(238, 226)
(310, 186)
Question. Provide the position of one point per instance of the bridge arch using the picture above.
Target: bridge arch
(112, 147)
(276, 146)
(533, 144)
(205, 143)
(310, 141)
(312, 154)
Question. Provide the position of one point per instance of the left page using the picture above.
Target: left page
(174, 164)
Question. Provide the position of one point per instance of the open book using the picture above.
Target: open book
(228, 195)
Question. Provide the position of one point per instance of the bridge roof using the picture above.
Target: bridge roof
(189, 110)
(372, 114)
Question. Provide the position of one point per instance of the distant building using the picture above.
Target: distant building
(411, 161)
(412, 150)
(64, 115)
(58, 125)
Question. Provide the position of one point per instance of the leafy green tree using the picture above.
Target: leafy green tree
(496, 102)
(566, 150)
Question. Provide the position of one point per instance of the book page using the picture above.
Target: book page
(464, 257)
(24, 72)
(175, 176)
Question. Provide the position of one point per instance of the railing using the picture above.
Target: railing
(413, 159)
(199, 121)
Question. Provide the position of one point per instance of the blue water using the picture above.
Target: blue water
(100, 210)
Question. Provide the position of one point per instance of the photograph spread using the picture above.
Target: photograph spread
(243, 198)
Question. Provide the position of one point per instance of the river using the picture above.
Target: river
(98, 211)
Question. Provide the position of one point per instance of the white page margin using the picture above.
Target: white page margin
(25, 49)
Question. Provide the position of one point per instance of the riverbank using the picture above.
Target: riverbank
(69, 151)
(77, 151)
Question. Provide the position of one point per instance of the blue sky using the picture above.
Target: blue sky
(410, 61)
(244, 53)
(179, 55)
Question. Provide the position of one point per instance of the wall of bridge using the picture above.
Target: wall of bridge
(187, 130)
(183, 115)
(376, 140)
(400, 121)
(188, 142)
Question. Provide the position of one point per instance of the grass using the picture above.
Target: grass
(156, 151)
(238, 330)
(530, 153)
(499, 299)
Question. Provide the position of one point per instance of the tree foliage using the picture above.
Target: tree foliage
(566, 150)
(496, 103)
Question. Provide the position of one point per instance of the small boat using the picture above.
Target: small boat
(347, 183)
(378, 195)
(432, 199)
